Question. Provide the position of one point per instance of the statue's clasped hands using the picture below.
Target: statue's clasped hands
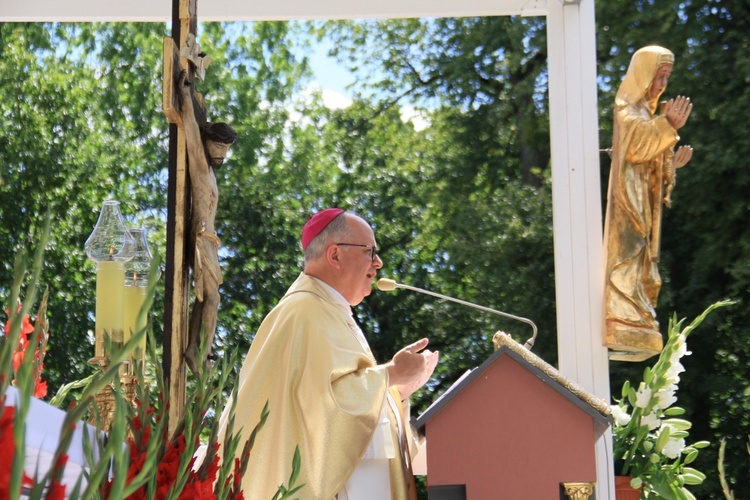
(682, 156)
(677, 111)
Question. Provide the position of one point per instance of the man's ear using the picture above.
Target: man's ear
(333, 256)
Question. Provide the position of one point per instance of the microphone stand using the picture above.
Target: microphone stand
(387, 285)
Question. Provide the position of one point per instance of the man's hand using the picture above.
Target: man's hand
(412, 367)
(677, 111)
(407, 390)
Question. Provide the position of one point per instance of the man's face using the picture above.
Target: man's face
(216, 153)
(660, 80)
(358, 269)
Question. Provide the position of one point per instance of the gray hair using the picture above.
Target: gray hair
(337, 230)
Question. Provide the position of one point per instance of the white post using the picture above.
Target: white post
(576, 208)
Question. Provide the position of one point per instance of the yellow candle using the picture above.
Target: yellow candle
(135, 297)
(110, 281)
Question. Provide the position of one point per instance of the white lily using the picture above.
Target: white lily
(620, 415)
(666, 398)
(673, 448)
(643, 396)
(651, 420)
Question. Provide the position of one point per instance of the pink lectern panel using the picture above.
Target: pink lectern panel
(508, 435)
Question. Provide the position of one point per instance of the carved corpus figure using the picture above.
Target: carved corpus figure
(641, 179)
(207, 147)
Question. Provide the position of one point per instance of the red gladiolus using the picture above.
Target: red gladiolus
(27, 328)
(56, 491)
(18, 358)
(213, 467)
(60, 464)
(8, 447)
(237, 477)
(40, 390)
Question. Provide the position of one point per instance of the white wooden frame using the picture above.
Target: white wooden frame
(577, 214)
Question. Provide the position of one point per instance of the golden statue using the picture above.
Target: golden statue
(641, 180)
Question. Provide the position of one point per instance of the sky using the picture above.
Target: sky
(332, 78)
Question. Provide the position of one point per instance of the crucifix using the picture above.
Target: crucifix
(196, 148)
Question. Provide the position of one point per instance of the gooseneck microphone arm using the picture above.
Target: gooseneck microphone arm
(386, 285)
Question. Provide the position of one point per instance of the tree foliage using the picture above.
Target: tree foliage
(73, 134)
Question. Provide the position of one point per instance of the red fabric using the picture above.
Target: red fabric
(317, 223)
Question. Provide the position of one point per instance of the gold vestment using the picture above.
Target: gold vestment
(642, 151)
(325, 395)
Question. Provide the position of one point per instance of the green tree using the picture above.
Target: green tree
(61, 154)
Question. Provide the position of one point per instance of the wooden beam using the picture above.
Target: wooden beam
(177, 285)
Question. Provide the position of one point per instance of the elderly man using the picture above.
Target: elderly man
(326, 393)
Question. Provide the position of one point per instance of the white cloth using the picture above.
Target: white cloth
(43, 431)
(371, 478)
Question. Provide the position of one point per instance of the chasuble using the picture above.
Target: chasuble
(326, 394)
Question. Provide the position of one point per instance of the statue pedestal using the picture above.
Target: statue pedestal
(632, 343)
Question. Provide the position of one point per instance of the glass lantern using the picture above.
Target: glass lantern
(136, 287)
(110, 245)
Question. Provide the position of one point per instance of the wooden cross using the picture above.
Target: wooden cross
(177, 287)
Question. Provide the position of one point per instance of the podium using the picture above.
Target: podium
(512, 428)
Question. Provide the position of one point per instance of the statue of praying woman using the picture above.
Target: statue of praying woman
(644, 161)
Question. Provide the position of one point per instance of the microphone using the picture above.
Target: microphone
(386, 285)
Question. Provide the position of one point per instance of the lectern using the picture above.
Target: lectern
(512, 428)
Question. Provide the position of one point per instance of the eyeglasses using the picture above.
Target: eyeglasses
(373, 249)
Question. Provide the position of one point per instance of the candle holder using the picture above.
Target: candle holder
(136, 287)
(110, 245)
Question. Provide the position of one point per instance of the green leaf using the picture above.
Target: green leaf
(632, 397)
(296, 467)
(648, 376)
(625, 389)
